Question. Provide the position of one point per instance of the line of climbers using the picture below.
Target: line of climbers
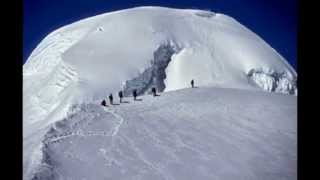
(134, 94)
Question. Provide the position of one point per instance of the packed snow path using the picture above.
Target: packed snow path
(200, 133)
(116, 129)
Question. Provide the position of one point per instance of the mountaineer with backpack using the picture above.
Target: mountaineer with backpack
(154, 91)
(104, 103)
(120, 96)
(111, 99)
(134, 93)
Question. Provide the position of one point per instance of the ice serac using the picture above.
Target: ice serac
(153, 76)
(140, 48)
(273, 81)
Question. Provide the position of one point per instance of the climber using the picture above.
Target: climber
(111, 99)
(134, 94)
(154, 91)
(104, 103)
(192, 83)
(120, 96)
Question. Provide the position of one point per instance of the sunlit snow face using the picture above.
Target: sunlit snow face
(105, 51)
(119, 46)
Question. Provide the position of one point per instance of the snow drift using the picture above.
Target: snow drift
(140, 48)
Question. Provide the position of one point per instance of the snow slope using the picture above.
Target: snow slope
(140, 48)
(200, 133)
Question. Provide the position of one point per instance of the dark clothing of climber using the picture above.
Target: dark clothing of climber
(120, 96)
(154, 92)
(111, 99)
(104, 103)
(192, 83)
(134, 94)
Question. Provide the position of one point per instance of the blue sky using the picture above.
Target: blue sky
(275, 21)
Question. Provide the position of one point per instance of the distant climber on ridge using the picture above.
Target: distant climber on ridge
(111, 99)
(134, 93)
(192, 83)
(154, 92)
(120, 96)
(104, 103)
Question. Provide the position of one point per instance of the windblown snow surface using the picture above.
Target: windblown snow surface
(239, 124)
(201, 133)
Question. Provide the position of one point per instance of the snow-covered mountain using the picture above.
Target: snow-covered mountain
(139, 48)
